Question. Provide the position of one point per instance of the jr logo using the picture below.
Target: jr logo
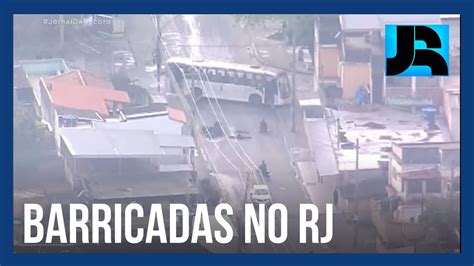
(420, 50)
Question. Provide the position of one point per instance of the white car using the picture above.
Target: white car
(260, 194)
(123, 60)
(150, 67)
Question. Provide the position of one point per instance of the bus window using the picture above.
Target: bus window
(185, 69)
(241, 80)
(191, 73)
(211, 71)
(221, 76)
(203, 74)
(231, 76)
(259, 80)
(250, 79)
(211, 74)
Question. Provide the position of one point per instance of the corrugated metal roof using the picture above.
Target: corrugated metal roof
(308, 172)
(82, 114)
(321, 146)
(164, 185)
(440, 145)
(360, 22)
(174, 168)
(161, 124)
(139, 111)
(364, 23)
(99, 143)
(176, 141)
(429, 173)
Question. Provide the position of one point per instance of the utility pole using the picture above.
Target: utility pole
(246, 187)
(158, 52)
(451, 196)
(422, 200)
(61, 32)
(293, 75)
(357, 165)
(356, 196)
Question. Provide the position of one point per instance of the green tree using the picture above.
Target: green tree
(27, 137)
(303, 26)
(138, 95)
(121, 81)
(210, 191)
(442, 215)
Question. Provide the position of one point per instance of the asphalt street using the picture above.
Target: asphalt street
(218, 37)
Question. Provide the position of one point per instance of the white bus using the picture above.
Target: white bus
(230, 81)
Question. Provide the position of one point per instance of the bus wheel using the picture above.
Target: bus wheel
(197, 93)
(255, 99)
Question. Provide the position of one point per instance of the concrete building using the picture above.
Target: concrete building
(35, 69)
(22, 89)
(393, 89)
(418, 171)
(170, 127)
(42, 68)
(326, 53)
(452, 105)
(89, 154)
(318, 136)
(358, 50)
(454, 22)
(360, 60)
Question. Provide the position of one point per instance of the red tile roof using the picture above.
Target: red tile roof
(83, 91)
(78, 77)
(177, 115)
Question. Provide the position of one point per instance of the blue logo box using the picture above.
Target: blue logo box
(433, 44)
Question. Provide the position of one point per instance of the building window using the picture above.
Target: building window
(398, 81)
(414, 186)
(433, 186)
(427, 82)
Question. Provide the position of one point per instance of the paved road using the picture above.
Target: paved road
(233, 159)
(217, 37)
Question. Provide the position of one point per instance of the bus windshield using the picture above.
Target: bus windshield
(284, 86)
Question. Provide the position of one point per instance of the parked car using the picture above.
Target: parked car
(260, 194)
(123, 60)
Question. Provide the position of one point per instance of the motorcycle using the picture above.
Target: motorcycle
(263, 127)
(264, 171)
